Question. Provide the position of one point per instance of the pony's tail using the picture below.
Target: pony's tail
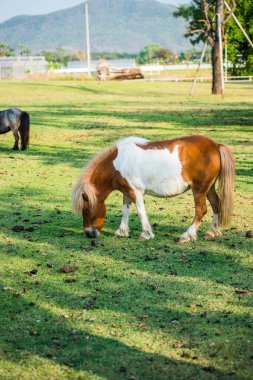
(226, 184)
(80, 190)
(24, 130)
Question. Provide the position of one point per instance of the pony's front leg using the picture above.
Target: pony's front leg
(200, 211)
(123, 230)
(146, 228)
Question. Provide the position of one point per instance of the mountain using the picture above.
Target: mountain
(115, 26)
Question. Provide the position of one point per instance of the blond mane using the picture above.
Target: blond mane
(84, 185)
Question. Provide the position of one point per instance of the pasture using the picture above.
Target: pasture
(124, 309)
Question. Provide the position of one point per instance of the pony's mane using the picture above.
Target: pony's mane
(91, 167)
(84, 184)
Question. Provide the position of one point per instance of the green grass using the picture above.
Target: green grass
(145, 311)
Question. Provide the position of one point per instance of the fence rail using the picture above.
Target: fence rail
(243, 78)
(155, 70)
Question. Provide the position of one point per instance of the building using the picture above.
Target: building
(21, 67)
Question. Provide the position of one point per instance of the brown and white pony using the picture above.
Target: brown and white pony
(137, 166)
(17, 121)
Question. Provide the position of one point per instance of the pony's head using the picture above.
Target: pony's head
(86, 202)
(87, 199)
(93, 218)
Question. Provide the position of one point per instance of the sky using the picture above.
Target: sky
(11, 8)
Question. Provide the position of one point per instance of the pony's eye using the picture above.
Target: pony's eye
(86, 211)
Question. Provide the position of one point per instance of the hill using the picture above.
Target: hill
(115, 26)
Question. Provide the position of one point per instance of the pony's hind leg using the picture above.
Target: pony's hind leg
(200, 211)
(213, 198)
(16, 137)
(123, 230)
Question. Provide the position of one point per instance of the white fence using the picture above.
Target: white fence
(190, 66)
(246, 78)
(156, 69)
(77, 70)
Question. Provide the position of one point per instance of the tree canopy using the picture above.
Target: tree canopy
(240, 53)
(200, 15)
(154, 53)
(6, 50)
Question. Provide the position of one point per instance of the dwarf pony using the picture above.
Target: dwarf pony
(17, 121)
(136, 166)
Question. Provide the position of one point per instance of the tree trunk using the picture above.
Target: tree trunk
(216, 70)
(216, 64)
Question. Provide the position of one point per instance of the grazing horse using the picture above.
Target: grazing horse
(136, 166)
(17, 121)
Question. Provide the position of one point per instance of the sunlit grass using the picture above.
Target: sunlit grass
(134, 310)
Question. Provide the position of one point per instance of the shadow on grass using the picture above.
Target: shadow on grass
(195, 117)
(62, 229)
(142, 295)
(99, 90)
(60, 341)
(148, 288)
(75, 157)
(154, 292)
(80, 153)
(199, 120)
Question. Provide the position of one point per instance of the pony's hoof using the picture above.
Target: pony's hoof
(212, 234)
(121, 233)
(141, 238)
(209, 236)
(186, 237)
(182, 240)
(146, 236)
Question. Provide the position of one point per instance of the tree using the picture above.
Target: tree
(113, 55)
(59, 58)
(165, 55)
(203, 25)
(240, 52)
(24, 51)
(147, 54)
(154, 53)
(6, 50)
(193, 55)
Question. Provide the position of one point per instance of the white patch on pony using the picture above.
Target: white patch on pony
(152, 171)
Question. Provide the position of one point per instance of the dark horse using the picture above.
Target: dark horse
(17, 121)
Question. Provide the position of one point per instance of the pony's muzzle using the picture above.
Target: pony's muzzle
(92, 233)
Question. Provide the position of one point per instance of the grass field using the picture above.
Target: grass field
(130, 310)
